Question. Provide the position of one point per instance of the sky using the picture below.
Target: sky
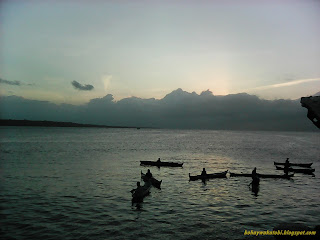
(74, 51)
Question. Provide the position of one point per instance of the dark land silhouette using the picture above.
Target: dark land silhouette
(29, 123)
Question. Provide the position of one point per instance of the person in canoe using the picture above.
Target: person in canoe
(255, 178)
(204, 172)
(158, 161)
(149, 174)
(254, 172)
(286, 167)
(136, 189)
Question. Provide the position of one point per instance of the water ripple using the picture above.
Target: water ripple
(79, 188)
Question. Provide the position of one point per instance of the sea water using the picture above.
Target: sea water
(74, 183)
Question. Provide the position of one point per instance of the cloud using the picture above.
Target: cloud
(81, 87)
(178, 109)
(16, 83)
(286, 84)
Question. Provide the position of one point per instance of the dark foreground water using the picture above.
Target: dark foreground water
(74, 183)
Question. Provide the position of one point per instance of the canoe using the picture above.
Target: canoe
(156, 183)
(208, 176)
(161, 164)
(307, 165)
(139, 194)
(295, 170)
(260, 175)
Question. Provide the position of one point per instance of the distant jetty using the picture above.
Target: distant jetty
(29, 123)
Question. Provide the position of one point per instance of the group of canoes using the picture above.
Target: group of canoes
(287, 167)
(141, 191)
(224, 175)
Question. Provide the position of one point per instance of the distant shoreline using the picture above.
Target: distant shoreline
(30, 123)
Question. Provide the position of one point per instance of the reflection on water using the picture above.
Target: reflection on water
(75, 183)
(255, 189)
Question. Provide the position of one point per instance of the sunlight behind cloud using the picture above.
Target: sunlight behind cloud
(218, 81)
(221, 85)
(106, 80)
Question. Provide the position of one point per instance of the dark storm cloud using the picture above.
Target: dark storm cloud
(79, 86)
(16, 83)
(178, 109)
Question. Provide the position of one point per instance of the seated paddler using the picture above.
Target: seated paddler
(286, 167)
(158, 161)
(254, 173)
(287, 163)
(203, 172)
(149, 174)
(137, 189)
(255, 180)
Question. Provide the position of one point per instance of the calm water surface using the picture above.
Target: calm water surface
(74, 183)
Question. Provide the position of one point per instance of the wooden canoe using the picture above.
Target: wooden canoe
(161, 164)
(298, 170)
(156, 183)
(139, 193)
(208, 176)
(306, 165)
(260, 175)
